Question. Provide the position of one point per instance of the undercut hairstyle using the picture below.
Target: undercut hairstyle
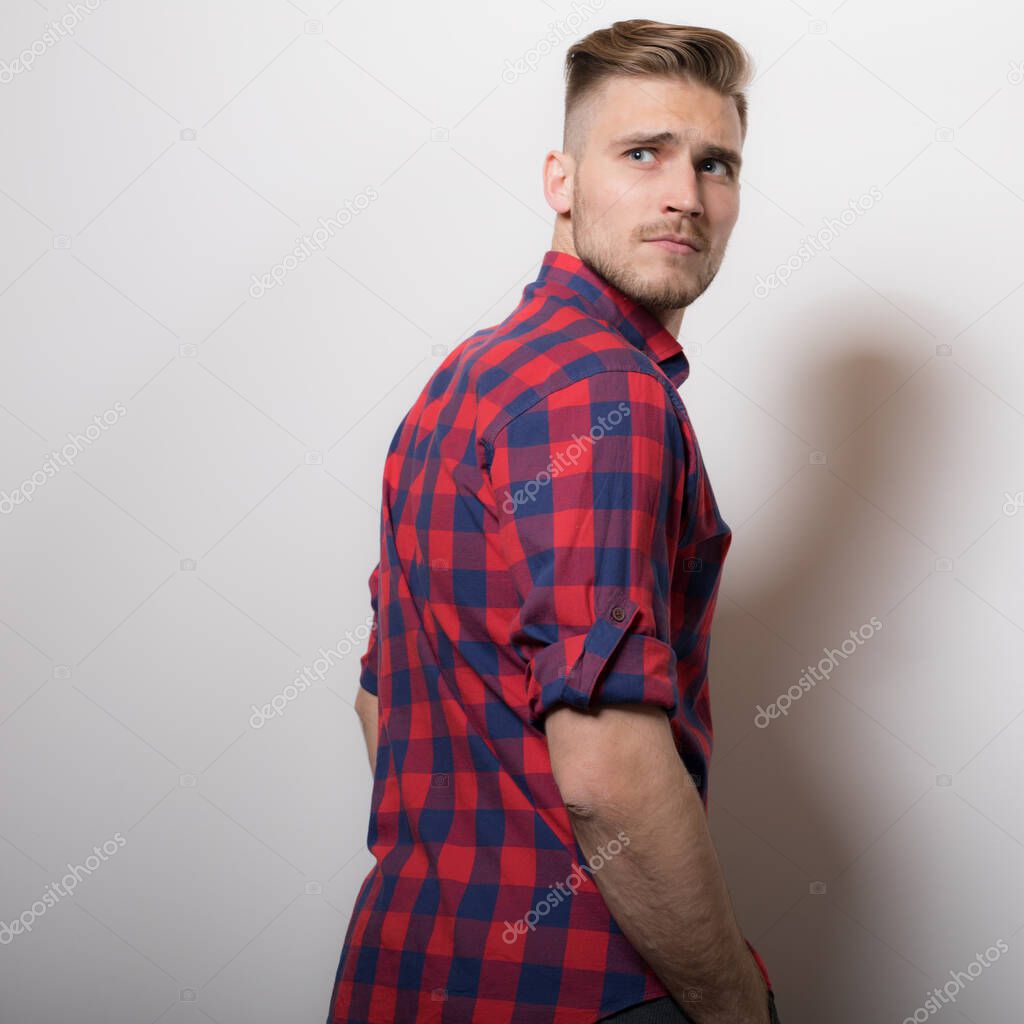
(640, 47)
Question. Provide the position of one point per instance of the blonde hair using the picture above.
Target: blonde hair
(643, 47)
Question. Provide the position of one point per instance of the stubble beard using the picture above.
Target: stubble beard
(672, 291)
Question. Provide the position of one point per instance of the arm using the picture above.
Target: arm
(591, 548)
(367, 702)
(367, 710)
(618, 769)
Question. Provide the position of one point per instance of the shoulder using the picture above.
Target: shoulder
(564, 359)
(613, 423)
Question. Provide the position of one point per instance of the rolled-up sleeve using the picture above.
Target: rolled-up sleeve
(368, 662)
(589, 484)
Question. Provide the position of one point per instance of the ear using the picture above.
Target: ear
(559, 170)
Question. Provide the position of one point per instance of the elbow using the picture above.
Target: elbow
(599, 799)
(366, 704)
(579, 809)
(609, 766)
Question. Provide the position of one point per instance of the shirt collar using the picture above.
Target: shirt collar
(569, 278)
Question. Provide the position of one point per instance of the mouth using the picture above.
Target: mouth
(675, 243)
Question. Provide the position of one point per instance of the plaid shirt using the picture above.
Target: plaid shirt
(548, 536)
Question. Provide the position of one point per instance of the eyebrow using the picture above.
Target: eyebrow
(637, 139)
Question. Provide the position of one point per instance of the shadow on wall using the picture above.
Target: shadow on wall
(806, 773)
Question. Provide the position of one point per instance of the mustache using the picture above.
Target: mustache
(695, 236)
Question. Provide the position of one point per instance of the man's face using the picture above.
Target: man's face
(660, 157)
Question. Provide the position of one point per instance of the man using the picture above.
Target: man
(534, 696)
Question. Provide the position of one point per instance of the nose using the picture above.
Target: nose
(684, 195)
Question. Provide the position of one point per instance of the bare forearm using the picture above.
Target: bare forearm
(370, 735)
(666, 891)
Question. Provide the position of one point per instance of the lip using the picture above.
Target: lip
(673, 243)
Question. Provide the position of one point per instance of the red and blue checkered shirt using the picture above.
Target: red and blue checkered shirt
(548, 536)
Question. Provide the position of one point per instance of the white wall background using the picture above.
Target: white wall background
(863, 426)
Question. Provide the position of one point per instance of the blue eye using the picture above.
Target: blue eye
(715, 160)
(644, 149)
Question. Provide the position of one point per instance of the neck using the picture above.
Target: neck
(671, 319)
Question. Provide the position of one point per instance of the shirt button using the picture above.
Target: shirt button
(618, 614)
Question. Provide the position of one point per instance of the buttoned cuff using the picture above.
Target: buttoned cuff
(611, 663)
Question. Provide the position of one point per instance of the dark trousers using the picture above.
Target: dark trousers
(656, 1011)
(665, 1011)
